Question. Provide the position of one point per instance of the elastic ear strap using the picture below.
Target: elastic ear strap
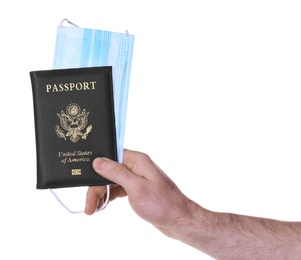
(81, 211)
(66, 20)
(104, 205)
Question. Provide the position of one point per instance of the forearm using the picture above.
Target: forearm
(231, 236)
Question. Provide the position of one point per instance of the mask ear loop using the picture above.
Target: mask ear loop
(81, 211)
(107, 186)
(71, 23)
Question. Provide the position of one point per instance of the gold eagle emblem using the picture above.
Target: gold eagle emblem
(73, 121)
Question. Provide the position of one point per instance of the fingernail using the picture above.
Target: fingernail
(99, 163)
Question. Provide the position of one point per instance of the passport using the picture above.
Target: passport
(74, 123)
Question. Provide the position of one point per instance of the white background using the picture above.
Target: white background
(214, 100)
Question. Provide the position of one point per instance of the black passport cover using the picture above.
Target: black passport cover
(74, 123)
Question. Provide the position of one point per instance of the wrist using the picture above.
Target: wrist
(191, 225)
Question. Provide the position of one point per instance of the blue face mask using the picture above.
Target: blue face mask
(80, 47)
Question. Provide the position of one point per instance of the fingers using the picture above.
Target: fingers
(115, 172)
(132, 177)
(117, 191)
(94, 198)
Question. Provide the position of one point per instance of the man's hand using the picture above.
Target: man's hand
(152, 195)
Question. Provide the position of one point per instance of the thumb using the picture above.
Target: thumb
(115, 172)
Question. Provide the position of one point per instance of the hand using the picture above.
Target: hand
(156, 199)
(151, 193)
